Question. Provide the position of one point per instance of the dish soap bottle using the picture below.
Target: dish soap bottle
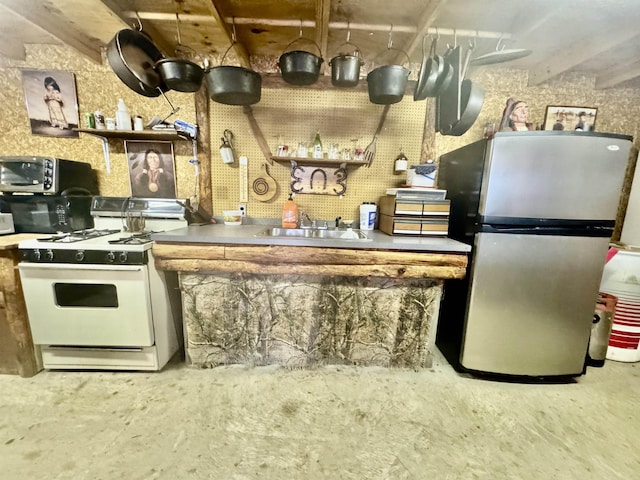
(290, 213)
(317, 147)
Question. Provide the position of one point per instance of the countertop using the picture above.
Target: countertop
(220, 234)
(11, 240)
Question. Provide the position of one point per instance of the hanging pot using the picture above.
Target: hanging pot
(387, 84)
(345, 69)
(231, 85)
(180, 74)
(132, 56)
(177, 73)
(299, 67)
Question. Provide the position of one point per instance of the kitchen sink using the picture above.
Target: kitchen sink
(315, 233)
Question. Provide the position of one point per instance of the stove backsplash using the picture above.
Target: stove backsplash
(48, 213)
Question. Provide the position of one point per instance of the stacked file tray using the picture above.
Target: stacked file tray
(414, 211)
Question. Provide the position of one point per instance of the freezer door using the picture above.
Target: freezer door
(531, 303)
(553, 175)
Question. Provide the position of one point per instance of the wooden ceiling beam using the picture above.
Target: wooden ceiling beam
(427, 19)
(13, 49)
(240, 50)
(38, 15)
(323, 9)
(587, 48)
(616, 76)
(129, 19)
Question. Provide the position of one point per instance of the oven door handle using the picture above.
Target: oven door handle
(94, 349)
(74, 266)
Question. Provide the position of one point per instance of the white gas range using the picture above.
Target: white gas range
(94, 297)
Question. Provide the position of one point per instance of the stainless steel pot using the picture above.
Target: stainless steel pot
(345, 68)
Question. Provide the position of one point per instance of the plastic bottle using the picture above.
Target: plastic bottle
(99, 119)
(317, 147)
(368, 215)
(123, 119)
(290, 213)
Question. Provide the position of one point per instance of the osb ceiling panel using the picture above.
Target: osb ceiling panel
(598, 36)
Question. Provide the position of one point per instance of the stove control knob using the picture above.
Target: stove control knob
(49, 254)
(36, 254)
(111, 257)
(122, 257)
(80, 255)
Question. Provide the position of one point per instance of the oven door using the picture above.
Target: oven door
(88, 305)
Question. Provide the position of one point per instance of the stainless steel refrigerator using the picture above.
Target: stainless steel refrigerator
(538, 209)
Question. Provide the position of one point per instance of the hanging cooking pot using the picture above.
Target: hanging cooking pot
(345, 69)
(387, 84)
(132, 56)
(299, 67)
(231, 85)
(180, 74)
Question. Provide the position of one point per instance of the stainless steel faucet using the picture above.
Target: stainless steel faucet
(304, 215)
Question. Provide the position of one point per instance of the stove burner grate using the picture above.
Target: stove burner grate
(134, 239)
(77, 236)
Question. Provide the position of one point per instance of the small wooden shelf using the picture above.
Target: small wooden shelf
(319, 161)
(134, 134)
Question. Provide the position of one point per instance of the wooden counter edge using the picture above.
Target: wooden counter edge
(308, 261)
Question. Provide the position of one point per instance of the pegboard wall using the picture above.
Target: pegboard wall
(294, 115)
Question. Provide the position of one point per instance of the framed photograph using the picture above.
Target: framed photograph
(581, 119)
(152, 172)
(52, 102)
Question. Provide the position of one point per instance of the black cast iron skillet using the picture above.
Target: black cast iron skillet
(133, 56)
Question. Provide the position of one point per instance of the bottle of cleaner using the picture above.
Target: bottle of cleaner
(290, 214)
(123, 119)
(368, 212)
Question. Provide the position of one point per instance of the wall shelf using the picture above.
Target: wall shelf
(133, 134)
(327, 162)
(105, 135)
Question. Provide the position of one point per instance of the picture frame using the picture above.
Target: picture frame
(52, 102)
(558, 117)
(152, 172)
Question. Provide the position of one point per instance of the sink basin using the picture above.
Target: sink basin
(314, 233)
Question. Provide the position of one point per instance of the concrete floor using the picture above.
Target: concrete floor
(332, 422)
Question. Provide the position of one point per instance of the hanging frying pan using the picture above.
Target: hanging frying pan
(500, 55)
(430, 70)
(264, 187)
(132, 56)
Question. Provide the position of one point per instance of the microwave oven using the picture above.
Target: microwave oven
(48, 213)
(33, 174)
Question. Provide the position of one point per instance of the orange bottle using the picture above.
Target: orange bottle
(290, 214)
